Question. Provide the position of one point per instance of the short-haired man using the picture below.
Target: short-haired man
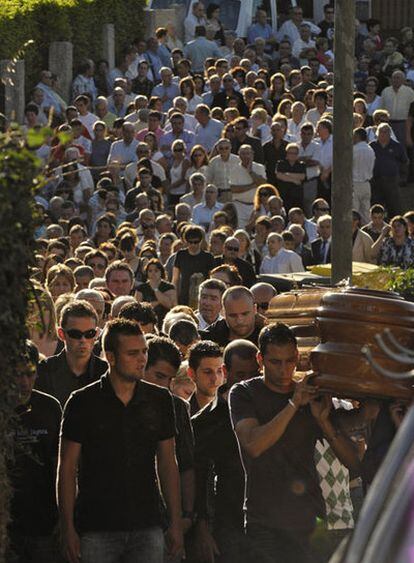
(216, 451)
(362, 171)
(263, 293)
(240, 318)
(210, 294)
(277, 424)
(205, 367)
(220, 169)
(77, 365)
(142, 313)
(119, 278)
(113, 433)
(203, 212)
(321, 247)
(230, 256)
(163, 363)
(280, 260)
(208, 130)
(32, 474)
(191, 265)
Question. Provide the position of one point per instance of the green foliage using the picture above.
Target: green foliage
(79, 21)
(402, 282)
(18, 172)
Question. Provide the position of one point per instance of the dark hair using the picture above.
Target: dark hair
(193, 231)
(96, 253)
(116, 328)
(200, 350)
(158, 264)
(244, 349)
(142, 313)
(361, 133)
(211, 8)
(184, 332)
(278, 333)
(377, 208)
(163, 349)
(118, 265)
(32, 352)
(232, 272)
(78, 309)
(217, 285)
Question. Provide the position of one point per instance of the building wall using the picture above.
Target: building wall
(394, 14)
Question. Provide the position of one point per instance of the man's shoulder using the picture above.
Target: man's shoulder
(246, 387)
(45, 401)
(47, 365)
(154, 391)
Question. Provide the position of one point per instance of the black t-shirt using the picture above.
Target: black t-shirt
(283, 166)
(282, 488)
(33, 474)
(184, 442)
(118, 489)
(190, 264)
(149, 296)
(219, 332)
(217, 452)
(244, 268)
(271, 156)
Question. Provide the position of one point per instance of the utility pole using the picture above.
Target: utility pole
(342, 140)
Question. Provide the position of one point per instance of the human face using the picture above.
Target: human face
(224, 150)
(153, 273)
(129, 361)
(76, 237)
(398, 230)
(325, 229)
(279, 364)
(26, 377)
(210, 196)
(183, 389)
(161, 373)
(103, 229)
(60, 286)
(274, 245)
(165, 246)
(98, 265)
(240, 131)
(120, 283)
(79, 349)
(231, 249)
(82, 282)
(208, 377)
(241, 369)
(240, 315)
(216, 246)
(193, 245)
(209, 304)
(292, 156)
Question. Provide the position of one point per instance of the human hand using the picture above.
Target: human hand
(321, 408)
(205, 544)
(174, 541)
(304, 392)
(71, 546)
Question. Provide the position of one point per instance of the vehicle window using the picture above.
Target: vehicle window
(229, 12)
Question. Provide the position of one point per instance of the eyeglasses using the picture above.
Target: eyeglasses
(194, 241)
(79, 334)
(233, 248)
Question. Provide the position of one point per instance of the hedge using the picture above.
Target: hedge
(79, 21)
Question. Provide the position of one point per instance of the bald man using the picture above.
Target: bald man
(263, 293)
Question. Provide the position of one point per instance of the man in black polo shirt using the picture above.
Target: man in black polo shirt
(33, 473)
(76, 366)
(241, 319)
(219, 531)
(277, 423)
(290, 175)
(114, 433)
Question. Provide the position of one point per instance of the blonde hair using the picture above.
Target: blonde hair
(261, 113)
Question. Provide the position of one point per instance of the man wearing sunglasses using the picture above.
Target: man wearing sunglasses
(77, 365)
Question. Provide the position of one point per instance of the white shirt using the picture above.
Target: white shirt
(326, 152)
(397, 102)
(89, 121)
(312, 151)
(293, 129)
(285, 262)
(131, 172)
(202, 323)
(219, 171)
(363, 162)
(239, 176)
(290, 31)
(190, 23)
(299, 45)
(123, 153)
(314, 116)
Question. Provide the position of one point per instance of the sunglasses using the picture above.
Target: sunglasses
(178, 150)
(97, 265)
(264, 305)
(79, 334)
(322, 209)
(232, 248)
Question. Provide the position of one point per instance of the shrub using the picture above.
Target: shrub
(79, 21)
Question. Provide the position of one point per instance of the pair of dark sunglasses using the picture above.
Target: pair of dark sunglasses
(79, 334)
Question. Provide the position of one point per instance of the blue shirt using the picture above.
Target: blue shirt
(199, 50)
(259, 30)
(208, 136)
(172, 91)
(165, 55)
(155, 64)
(388, 159)
(49, 98)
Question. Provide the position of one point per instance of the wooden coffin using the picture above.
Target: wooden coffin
(346, 321)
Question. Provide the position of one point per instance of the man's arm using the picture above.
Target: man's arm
(176, 279)
(241, 188)
(66, 495)
(170, 487)
(257, 439)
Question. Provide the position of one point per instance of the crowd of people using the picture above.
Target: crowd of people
(173, 182)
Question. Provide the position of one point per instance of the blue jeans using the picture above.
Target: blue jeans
(129, 547)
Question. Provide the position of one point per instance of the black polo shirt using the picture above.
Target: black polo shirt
(57, 379)
(118, 487)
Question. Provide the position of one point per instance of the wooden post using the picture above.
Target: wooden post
(342, 140)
